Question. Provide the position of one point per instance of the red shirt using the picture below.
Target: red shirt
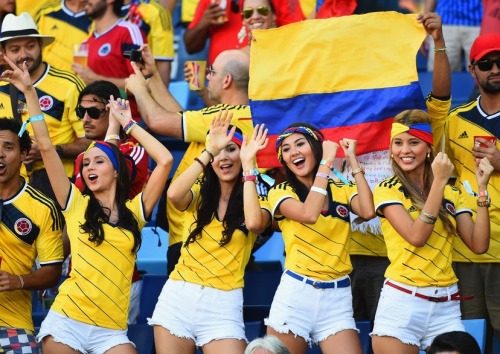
(106, 49)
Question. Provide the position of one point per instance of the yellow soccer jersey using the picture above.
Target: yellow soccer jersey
(58, 92)
(206, 262)
(463, 124)
(429, 265)
(31, 227)
(98, 289)
(196, 125)
(156, 23)
(68, 28)
(369, 244)
(32, 7)
(188, 9)
(319, 250)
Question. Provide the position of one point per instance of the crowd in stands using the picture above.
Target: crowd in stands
(83, 166)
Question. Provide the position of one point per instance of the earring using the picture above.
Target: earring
(428, 156)
(242, 34)
(392, 156)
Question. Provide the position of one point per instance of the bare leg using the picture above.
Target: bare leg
(225, 346)
(122, 349)
(391, 345)
(167, 343)
(343, 342)
(295, 344)
(51, 347)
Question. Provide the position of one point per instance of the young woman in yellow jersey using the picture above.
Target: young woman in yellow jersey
(420, 216)
(89, 315)
(201, 303)
(313, 302)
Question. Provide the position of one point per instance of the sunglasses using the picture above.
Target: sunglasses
(93, 112)
(261, 10)
(210, 70)
(487, 64)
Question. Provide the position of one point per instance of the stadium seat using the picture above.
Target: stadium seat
(142, 336)
(258, 293)
(254, 329)
(152, 284)
(477, 329)
(269, 265)
(365, 327)
(496, 345)
(152, 256)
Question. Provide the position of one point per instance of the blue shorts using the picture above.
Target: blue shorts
(14, 340)
(413, 320)
(199, 312)
(311, 313)
(81, 336)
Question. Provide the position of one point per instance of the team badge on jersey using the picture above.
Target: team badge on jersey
(46, 102)
(23, 226)
(104, 50)
(342, 211)
(450, 207)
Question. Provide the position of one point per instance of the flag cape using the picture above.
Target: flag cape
(348, 76)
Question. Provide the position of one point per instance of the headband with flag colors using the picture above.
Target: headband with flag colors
(106, 148)
(348, 76)
(293, 130)
(237, 138)
(422, 131)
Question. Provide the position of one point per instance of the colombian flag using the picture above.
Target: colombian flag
(348, 76)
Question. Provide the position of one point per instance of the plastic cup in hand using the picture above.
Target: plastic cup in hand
(491, 139)
(198, 72)
(80, 53)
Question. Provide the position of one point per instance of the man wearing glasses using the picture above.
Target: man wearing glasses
(472, 131)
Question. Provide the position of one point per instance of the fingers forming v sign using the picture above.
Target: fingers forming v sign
(20, 78)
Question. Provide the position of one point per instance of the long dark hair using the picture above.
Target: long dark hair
(210, 193)
(96, 214)
(317, 148)
(407, 118)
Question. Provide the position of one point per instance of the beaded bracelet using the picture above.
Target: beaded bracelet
(484, 203)
(200, 162)
(429, 216)
(319, 190)
(211, 155)
(440, 50)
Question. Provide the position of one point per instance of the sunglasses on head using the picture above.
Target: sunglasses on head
(261, 10)
(93, 112)
(487, 64)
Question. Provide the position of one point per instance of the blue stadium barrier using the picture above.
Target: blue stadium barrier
(152, 258)
(496, 345)
(254, 329)
(150, 291)
(272, 250)
(462, 85)
(258, 293)
(180, 91)
(142, 336)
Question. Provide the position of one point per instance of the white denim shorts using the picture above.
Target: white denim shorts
(200, 313)
(413, 320)
(81, 336)
(311, 313)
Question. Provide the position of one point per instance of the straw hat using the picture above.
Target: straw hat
(21, 26)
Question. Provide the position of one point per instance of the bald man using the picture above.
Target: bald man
(227, 86)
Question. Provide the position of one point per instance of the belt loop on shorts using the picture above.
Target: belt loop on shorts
(344, 283)
(455, 297)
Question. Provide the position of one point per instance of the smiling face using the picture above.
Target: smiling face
(11, 157)
(98, 171)
(257, 20)
(227, 164)
(25, 49)
(298, 156)
(409, 153)
(488, 80)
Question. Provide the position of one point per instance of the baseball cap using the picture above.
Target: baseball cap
(484, 44)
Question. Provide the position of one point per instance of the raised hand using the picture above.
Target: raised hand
(120, 110)
(432, 24)
(329, 150)
(219, 136)
(19, 77)
(349, 147)
(250, 147)
(484, 169)
(442, 167)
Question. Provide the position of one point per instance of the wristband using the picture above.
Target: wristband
(112, 137)
(319, 190)
(429, 216)
(252, 172)
(36, 118)
(59, 151)
(246, 178)
(129, 126)
(483, 194)
(324, 175)
(326, 163)
(21, 280)
(484, 203)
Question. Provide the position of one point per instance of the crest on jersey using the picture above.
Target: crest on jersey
(450, 207)
(104, 50)
(23, 226)
(46, 102)
(342, 211)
